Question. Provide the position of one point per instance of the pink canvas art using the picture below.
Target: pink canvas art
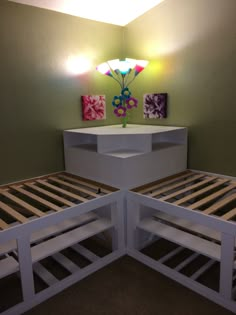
(93, 107)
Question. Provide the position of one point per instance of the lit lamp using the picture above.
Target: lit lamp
(123, 71)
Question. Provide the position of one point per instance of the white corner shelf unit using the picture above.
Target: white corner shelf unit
(125, 157)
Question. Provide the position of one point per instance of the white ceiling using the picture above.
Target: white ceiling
(109, 11)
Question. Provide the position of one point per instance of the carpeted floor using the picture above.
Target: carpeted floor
(127, 287)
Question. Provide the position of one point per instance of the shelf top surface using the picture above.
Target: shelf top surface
(131, 129)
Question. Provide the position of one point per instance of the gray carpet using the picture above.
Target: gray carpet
(127, 287)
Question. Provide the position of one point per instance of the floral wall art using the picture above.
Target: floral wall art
(93, 107)
(155, 105)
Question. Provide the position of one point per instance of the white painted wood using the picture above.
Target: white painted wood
(190, 225)
(8, 266)
(85, 252)
(66, 262)
(118, 220)
(141, 143)
(197, 217)
(133, 150)
(67, 239)
(203, 269)
(170, 254)
(51, 230)
(186, 261)
(227, 265)
(187, 240)
(25, 264)
(44, 274)
(182, 279)
(63, 284)
(133, 218)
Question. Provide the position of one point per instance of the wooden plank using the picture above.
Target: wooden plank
(220, 204)
(3, 225)
(66, 263)
(51, 195)
(170, 254)
(179, 184)
(190, 226)
(8, 266)
(184, 190)
(164, 182)
(85, 252)
(187, 240)
(50, 205)
(211, 197)
(85, 183)
(62, 191)
(23, 204)
(44, 274)
(200, 192)
(80, 189)
(58, 243)
(229, 215)
(51, 231)
(16, 215)
(187, 261)
(203, 269)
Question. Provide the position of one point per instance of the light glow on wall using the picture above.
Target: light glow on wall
(78, 65)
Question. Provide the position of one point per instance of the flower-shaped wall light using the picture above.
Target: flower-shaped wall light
(123, 72)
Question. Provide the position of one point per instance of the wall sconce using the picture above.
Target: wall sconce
(123, 71)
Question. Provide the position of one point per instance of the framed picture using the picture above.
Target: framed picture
(155, 105)
(93, 107)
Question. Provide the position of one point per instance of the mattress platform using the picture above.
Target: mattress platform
(189, 221)
(52, 231)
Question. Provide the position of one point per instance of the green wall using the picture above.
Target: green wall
(191, 45)
(38, 98)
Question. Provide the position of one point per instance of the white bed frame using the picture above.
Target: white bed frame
(43, 216)
(194, 211)
(191, 210)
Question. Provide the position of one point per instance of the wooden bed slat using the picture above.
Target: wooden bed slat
(85, 183)
(220, 204)
(51, 195)
(211, 197)
(44, 274)
(229, 215)
(23, 204)
(37, 198)
(3, 225)
(179, 184)
(16, 215)
(85, 252)
(66, 262)
(163, 182)
(184, 190)
(200, 192)
(62, 191)
(80, 189)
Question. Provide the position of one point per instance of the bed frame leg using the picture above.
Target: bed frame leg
(117, 214)
(226, 265)
(133, 218)
(25, 263)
